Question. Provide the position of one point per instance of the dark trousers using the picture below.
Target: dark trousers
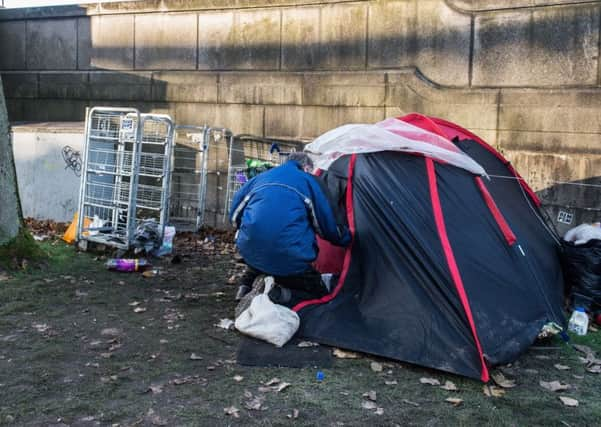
(304, 286)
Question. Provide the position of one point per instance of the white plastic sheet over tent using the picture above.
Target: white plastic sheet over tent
(388, 135)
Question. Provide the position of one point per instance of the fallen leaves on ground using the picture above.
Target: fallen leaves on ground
(493, 391)
(233, 411)
(155, 388)
(238, 378)
(371, 395)
(343, 354)
(561, 367)
(429, 381)
(376, 367)
(449, 386)
(274, 384)
(255, 403)
(134, 303)
(139, 310)
(154, 418)
(368, 404)
(568, 401)
(293, 415)
(502, 381)
(554, 385)
(391, 382)
(194, 356)
(455, 401)
(409, 402)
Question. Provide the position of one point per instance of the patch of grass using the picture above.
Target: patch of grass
(22, 248)
(56, 356)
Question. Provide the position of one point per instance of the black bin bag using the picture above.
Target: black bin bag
(582, 273)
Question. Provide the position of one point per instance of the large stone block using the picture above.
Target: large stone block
(238, 118)
(53, 110)
(542, 118)
(120, 86)
(20, 85)
(241, 40)
(343, 29)
(52, 44)
(550, 142)
(393, 34)
(184, 86)
(260, 88)
(106, 42)
(309, 122)
(12, 48)
(300, 38)
(165, 42)
(64, 85)
(215, 40)
(537, 47)
(344, 89)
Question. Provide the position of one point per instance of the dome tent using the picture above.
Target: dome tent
(451, 266)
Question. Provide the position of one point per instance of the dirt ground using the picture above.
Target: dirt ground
(82, 346)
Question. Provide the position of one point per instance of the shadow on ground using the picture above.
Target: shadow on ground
(82, 346)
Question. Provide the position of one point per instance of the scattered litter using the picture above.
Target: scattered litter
(368, 404)
(430, 381)
(134, 303)
(307, 344)
(238, 378)
(194, 356)
(379, 411)
(139, 310)
(568, 401)
(561, 367)
(227, 324)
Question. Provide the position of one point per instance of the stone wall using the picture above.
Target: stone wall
(522, 74)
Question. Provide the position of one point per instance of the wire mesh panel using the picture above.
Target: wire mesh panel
(249, 156)
(108, 179)
(188, 177)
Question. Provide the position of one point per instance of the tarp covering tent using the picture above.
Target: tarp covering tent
(451, 267)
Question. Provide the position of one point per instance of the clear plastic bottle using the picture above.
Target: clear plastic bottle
(578, 322)
(123, 264)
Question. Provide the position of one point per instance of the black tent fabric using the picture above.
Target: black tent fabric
(446, 270)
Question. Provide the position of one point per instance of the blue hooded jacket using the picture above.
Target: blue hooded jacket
(277, 214)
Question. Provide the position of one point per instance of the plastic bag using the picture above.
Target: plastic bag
(167, 245)
(582, 272)
(267, 321)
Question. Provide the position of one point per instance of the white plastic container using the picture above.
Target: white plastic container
(578, 322)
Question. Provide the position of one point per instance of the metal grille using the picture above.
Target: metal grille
(125, 174)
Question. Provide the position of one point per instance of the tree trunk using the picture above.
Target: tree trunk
(11, 218)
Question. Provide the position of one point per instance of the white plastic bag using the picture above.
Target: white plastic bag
(268, 321)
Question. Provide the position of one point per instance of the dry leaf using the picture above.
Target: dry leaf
(281, 387)
(139, 310)
(233, 411)
(583, 349)
(225, 324)
(40, 327)
(554, 385)
(150, 273)
(272, 381)
(110, 332)
(293, 415)
(106, 355)
(493, 391)
(134, 303)
(194, 356)
(561, 367)
(238, 378)
(155, 388)
(379, 411)
(155, 419)
(371, 395)
(430, 381)
(594, 369)
(391, 382)
(376, 367)
(455, 401)
(184, 380)
(255, 403)
(307, 344)
(368, 404)
(409, 402)
(501, 381)
(342, 354)
(568, 401)
(449, 386)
